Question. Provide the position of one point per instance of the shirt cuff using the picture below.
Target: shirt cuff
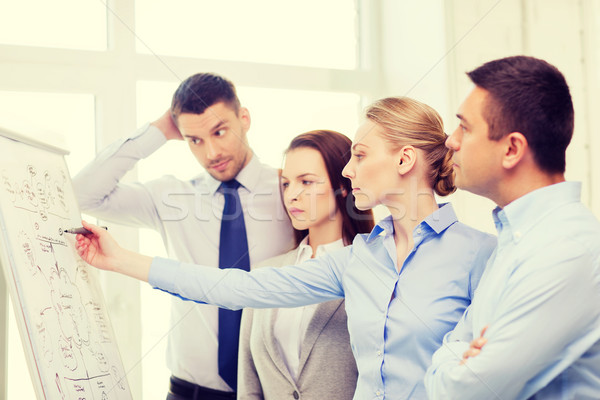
(163, 273)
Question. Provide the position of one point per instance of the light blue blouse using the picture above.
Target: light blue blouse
(396, 319)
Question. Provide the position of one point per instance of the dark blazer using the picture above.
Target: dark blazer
(327, 370)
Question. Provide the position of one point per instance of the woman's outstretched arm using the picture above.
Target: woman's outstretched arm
(315, 281)
(100, 250)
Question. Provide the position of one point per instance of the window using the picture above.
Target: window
(53, 24)
(68, 120)
(311, 33)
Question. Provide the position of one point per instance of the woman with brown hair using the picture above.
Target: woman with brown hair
(306, 349)
(406, 284)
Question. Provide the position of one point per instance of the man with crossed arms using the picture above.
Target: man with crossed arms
(532, 330)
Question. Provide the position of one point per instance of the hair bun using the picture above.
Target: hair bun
(444, 183)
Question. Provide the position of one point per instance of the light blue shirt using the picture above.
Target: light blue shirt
(396, 320)
(540, 296)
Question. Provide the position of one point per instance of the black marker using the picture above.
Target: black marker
(83, 231)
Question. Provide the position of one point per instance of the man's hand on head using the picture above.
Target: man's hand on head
(167, 126)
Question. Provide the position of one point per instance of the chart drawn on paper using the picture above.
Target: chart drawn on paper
(73, 353)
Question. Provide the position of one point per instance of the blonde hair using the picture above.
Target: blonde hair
(408, 122)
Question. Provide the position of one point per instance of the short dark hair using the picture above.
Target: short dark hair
(530, 96)
(334, 147)
(200, 91)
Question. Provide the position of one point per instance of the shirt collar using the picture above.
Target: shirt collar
(306, 252)
(385, 227)
(523, 213)
(248, 177)
(441, 218)
(438, 221)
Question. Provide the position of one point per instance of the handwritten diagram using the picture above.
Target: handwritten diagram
(66, 322)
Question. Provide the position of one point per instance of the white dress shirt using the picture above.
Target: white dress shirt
(291, 323)
(188, 216)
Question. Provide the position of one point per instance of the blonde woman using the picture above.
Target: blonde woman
(406, 284)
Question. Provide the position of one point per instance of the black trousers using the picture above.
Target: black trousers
(184, 390)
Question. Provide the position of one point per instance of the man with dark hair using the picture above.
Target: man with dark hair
(533, 328)
(232, 214)
(214, 89)
(528, 95)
